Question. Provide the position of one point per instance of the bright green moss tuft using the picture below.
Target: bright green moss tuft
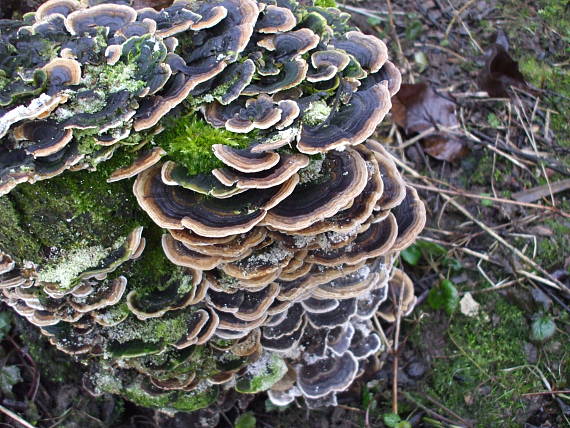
(189, 140)
(325, 3)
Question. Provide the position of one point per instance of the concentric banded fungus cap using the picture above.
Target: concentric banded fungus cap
(52, 7)
(112, 16)
(63, 71)
(313, 202)
(173, 207)
(275, 19)
(350, 125)
(244, 160)
(410, 217)
(327, 375)
(370, 52)
(45, 138)
(287, 166)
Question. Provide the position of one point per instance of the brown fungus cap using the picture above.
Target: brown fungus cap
(394, 185)
(244, 160)
(291, 74)
(411, 217)
(63, 72)
(143, 162)
(399, 285)
(275, 19)
(370, 51)
(173, 207)
(350, 125)
(313, 202)
(43, 138)
(112, 16)
(376, 241)
(327, 375)
(59, 7)
(288, 166)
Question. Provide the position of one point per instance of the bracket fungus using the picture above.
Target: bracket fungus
(218, 217)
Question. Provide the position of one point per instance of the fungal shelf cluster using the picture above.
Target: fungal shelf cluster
(222, 220)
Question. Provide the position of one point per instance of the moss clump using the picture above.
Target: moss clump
(188, 140)
(552, 250)
(482, 373)
(74, 210)
(325, 3)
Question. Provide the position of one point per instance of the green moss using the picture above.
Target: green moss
(325, 3)
(552, 250)
(188, 140)
(557, 80)
(482, 373)
(73, 210)
(177, 401)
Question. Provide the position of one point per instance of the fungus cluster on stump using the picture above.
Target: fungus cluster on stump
(281, 247)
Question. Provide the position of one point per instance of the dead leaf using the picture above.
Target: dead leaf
(469, 306)
(500, 70)
(418, 107)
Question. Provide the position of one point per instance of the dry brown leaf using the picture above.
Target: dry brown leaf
(500, 71)
(417, 107)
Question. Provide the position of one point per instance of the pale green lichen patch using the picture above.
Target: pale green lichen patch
(167, 329)
(71, 264)
(113, 78)
(317, 113)
(262, 374)
(311, 172)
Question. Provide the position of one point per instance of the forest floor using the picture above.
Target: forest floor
(486, 142)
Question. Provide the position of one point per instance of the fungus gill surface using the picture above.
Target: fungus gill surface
(221, 219)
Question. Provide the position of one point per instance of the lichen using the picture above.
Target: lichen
(317, 113)
(71, 264)
(115, 78)
(263, 374)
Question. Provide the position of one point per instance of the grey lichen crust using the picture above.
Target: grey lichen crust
(189, 199)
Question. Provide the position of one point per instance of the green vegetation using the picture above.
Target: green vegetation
(482, 371)
(325, 3)
(188, 140)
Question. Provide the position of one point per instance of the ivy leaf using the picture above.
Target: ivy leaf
(247, 420)
(444, 296)
(542, 329)
(9, 376)
(412, 255)
(435, 250)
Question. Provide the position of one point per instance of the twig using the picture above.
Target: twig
(448, 410)
(492, 198)
(15, 417)
(556, 283)
(457, 15)
(429, 411)
(533, 394)
(395, 352)
(401, 56)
